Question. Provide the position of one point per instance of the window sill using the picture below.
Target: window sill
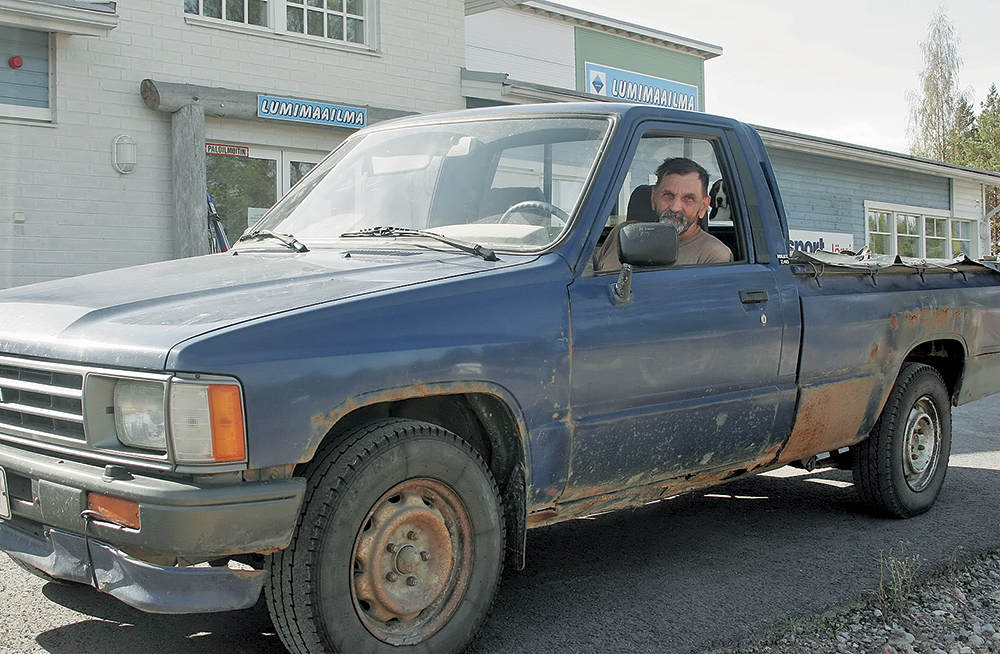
(28, 115)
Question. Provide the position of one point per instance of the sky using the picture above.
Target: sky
(838, 70)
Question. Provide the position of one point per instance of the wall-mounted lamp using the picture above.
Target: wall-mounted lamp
(123, 154)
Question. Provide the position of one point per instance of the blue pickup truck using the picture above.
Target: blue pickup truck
(419, 354)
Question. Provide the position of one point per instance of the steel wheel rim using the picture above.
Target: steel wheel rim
(411, 561)
(921, 444)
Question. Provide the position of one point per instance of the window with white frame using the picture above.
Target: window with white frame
(332, 21)
(918, 233)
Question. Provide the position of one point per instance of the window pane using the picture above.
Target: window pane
(335, 5)
(960, 229)
(906, 224)
(315, 25)
(356, 7)
(298, 170)
(293, 19)
(355, 30)
(314, 3)
(908, 246)
(238, 186)
(190, 6)
(936, 248)
(212, 8)
(879, 244)
(335, 26)
(257, 10)
(234, 11)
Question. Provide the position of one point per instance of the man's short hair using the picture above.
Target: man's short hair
(682, 166)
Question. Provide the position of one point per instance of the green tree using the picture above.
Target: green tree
(965, 133)
(937, 111)
(982, 149)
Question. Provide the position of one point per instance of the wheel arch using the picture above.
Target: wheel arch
(484, 415)
(947, 356)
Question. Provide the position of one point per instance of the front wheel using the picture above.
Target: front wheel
(400, 544)
(900, 468)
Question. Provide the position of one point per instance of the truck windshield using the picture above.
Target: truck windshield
(505, 184)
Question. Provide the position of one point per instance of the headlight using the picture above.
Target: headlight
(139, 416)
(206, 423)
(204, 420)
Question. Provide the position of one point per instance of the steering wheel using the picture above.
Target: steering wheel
(537, 205)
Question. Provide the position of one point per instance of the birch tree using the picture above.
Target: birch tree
(936, 109)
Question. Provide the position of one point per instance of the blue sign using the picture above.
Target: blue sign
(316, 113)
(643, 89)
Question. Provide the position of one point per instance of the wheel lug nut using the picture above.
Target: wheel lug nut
(391, 576)
(411, 581)
(412, 535)
(392, 548)
(425, 556)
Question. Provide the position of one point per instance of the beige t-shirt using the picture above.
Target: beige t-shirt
(698, 248)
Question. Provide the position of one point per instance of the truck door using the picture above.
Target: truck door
(684, 377)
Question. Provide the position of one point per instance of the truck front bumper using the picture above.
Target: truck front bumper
(182, 522)
(148, 587)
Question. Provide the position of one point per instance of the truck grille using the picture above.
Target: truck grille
(41, 399)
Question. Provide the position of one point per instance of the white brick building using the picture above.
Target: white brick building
(70, 76)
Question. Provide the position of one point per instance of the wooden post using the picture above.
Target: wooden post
(190, 203)
(188, 105)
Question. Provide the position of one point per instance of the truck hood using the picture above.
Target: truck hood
(132, 317)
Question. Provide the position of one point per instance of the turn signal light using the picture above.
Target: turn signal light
(115, 509)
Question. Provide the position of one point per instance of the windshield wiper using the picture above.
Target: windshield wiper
(392, 232)
(287, 239)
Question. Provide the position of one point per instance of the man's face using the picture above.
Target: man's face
(679, 201)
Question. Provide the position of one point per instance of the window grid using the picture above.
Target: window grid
(249, 12)
(333, 20)
(919, 236)
(342, 20)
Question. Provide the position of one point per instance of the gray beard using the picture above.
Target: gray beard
(677, 220)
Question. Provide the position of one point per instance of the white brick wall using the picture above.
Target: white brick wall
(527, 47)
(81, 216)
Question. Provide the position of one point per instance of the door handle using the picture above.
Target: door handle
(753, 297)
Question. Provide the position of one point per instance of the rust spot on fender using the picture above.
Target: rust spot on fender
(934, 319)
(874, 351)
(829, 417)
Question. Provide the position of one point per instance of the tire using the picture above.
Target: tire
(399, 544)
(900, 468)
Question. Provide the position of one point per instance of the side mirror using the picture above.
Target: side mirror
(641, 244)
(647, 244)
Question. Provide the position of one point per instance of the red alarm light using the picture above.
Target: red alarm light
(15, 62)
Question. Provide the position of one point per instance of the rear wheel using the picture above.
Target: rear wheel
(900, 468)
(400, 543)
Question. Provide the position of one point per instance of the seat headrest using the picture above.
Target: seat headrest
(640, 205)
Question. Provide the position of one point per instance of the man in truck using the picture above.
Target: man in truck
(680, 198)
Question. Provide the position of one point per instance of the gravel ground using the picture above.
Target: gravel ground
(951, 611)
